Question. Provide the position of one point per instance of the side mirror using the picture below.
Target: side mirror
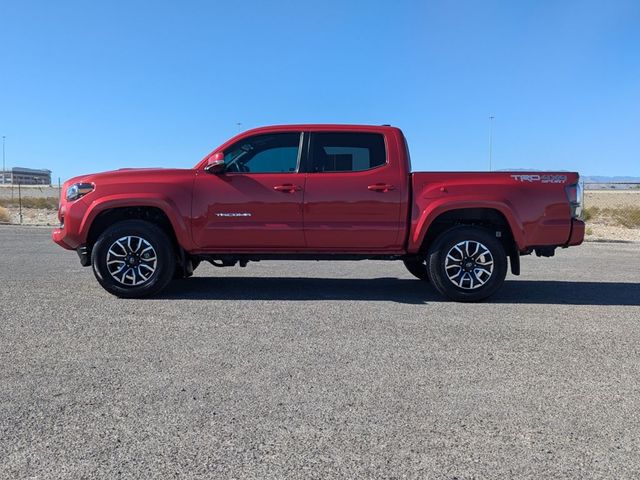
(215, 164)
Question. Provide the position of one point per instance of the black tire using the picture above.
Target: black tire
(164, 265)
(475, 286)
(418, 268)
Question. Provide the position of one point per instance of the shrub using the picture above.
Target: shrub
(590, 213)
(627, 216)
(4, 215)
(48, 203)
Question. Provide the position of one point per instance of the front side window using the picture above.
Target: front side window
(347, 152)
(271, 153)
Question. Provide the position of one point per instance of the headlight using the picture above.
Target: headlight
(78, 190)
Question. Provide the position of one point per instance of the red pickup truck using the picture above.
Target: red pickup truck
(330, 192)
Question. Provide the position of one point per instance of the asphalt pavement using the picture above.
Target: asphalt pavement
(319, 370)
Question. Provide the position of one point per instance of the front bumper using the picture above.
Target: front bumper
(71, 215)
(60, 237)
(66, 238)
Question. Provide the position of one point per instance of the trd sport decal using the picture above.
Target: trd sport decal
(541, 178)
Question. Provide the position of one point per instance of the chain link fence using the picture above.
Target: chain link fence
(612, 211)
(29, 204)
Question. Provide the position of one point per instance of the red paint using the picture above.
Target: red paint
(384, 210)
(276, 215)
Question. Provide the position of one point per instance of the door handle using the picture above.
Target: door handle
(381, 187)
(287, 188)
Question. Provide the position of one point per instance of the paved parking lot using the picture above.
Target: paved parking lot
(319, 370)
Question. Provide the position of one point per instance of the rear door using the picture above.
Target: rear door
(353, 194)
(256, 203)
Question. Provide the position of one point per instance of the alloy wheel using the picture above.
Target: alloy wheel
(469, 264)
(132, 260)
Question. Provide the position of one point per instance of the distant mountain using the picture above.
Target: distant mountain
(601, 179)
(596, 182)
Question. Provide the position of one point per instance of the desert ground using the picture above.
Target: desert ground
(612, 215)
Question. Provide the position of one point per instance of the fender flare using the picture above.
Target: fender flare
(437, 207)
(166, 205)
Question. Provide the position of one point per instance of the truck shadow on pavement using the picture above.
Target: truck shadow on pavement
(395, 290)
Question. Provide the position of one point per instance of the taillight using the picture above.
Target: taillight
(574, 194)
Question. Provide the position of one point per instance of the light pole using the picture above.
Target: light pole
(4, 170)
(491, 117)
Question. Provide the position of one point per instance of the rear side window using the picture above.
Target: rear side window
(347, 152)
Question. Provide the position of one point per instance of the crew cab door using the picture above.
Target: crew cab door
(255, 203)
(353, 194)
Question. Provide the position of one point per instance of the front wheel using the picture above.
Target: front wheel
(133, 259)
(467, 264)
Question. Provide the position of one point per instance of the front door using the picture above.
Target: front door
(255, 204)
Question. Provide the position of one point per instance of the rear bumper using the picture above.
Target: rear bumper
(577, 233)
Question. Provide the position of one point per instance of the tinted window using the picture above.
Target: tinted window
(347, 152)
(273, 153)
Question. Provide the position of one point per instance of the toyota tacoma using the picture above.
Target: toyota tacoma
(316, 192)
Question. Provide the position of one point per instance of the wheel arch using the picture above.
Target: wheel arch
(161, 212)
(495, 216)
(463, 212)
(110, 216)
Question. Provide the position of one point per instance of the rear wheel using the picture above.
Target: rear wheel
(133, 259)
(418, 268)
(467, 264)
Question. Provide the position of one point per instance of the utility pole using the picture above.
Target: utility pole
(4, 168)
(20, 201)
(491, 117)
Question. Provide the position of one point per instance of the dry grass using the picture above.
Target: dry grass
(624, 216)
(48, 203)
(589, 212)
(606, 210)
(4, 215)
(627, 217)
(612, 215)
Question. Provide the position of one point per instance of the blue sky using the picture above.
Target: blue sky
(91, 86)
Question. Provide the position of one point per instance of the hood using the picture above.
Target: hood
(126, 175)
